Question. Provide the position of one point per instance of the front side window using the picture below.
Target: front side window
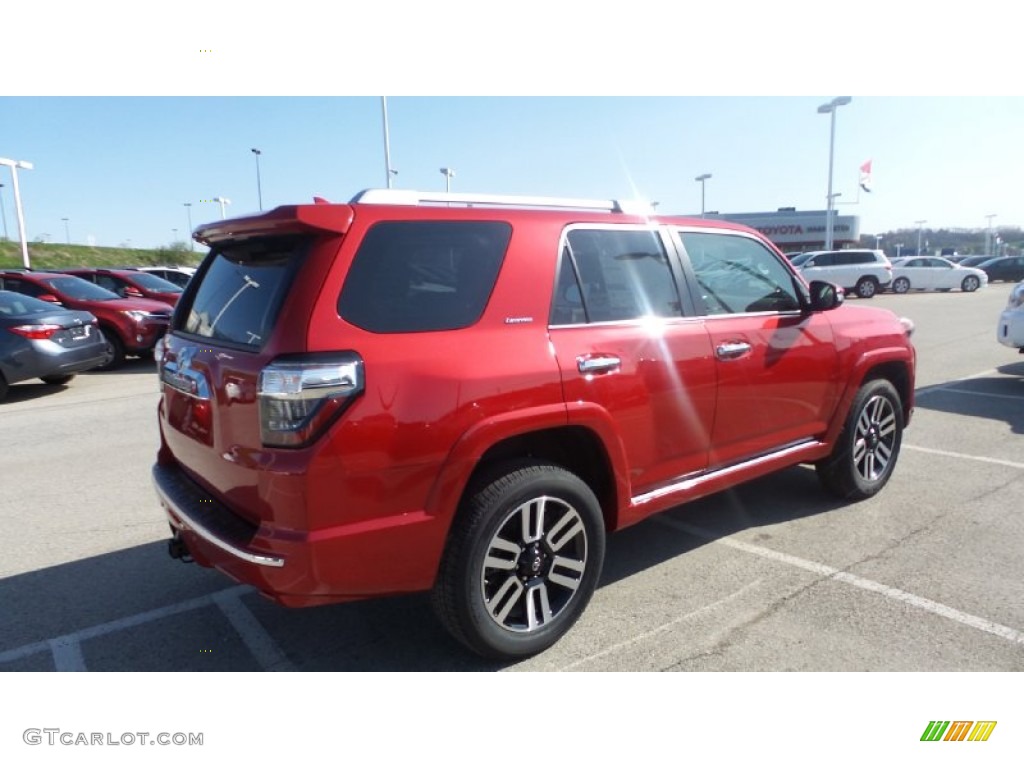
(415, 276)
(78, 289)
(736, 274)
(609, 275)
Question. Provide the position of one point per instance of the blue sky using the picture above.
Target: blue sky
(120, 168)
(127, 121)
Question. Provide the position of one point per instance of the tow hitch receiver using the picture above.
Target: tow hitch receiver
(177, 548)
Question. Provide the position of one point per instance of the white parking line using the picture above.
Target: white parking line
(976, 622)
(63, 651)
(67, 654)
(259, 642)
(971, 392)
(662, 628)
(967, 456)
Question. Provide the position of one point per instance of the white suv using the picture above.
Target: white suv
(1010, 330)
(862, 271)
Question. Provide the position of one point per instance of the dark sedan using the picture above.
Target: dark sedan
(41, 341)
(1010, 268)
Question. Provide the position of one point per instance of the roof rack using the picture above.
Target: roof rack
(412, 197)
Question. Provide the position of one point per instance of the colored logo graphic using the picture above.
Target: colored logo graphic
(958, 730)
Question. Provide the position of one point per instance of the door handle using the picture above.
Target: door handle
(589, 364)
(732, 350)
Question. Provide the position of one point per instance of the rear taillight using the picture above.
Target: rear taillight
(35, 331)
(301, 395)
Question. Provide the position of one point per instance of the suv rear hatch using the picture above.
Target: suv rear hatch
(235, 377)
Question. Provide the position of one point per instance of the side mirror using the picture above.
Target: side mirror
(825, 296)
(49, 297)
(133, 292)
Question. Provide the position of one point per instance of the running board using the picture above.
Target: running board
(694, 486)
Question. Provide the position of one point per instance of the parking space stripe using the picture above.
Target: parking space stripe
(923, 603)
(67, 654)
(658, 630)
(106, 628)
(969, 457)
(972, 392)
(259, 642)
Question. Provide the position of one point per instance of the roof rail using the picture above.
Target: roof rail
(412, 197)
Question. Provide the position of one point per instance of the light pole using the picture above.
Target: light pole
(702, 178)
(388, 170)
(188, 207)
(259, 188)
(448, 173)
(174, 234)
(920, 224)
(830, 109)
(899, 247)
(988, 234)
(223, 201)
(67, 232)
(14, 165)
(878, 240)
(3, 215)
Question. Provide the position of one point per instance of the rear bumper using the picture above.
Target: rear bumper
(38, 358)
(1010, 330)
(302, 568)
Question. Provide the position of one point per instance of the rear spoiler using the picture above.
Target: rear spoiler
(281, 220)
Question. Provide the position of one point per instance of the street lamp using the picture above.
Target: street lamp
(14, 165)
(223, 201)
(878, 240)
(388, 170)
(702, 178)
(920, 223)
(188, 207)
(67, 232)
(448, 173)
(830, 109)
(259, 189)
(988, 234)
(3, 215)
(899, 248)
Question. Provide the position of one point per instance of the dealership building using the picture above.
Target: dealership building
(793, 230)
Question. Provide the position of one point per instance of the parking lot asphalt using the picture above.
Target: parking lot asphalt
(772, 575)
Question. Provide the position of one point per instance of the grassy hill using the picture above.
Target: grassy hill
(56, 255)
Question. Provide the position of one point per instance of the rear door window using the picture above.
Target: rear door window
(611, 275)
(416, 276)
(242, 290)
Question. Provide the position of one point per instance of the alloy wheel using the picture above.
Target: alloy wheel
(534, 564)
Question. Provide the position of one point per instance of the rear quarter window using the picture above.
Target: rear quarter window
(416, 276)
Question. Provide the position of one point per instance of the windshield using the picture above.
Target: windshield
(155, 283)
(77, 288)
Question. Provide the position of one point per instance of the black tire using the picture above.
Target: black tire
(115, 351)
(866, 287)
(970, 284)
(866, 452)
(506, 593)
(4, 386)
(900, 285)
(62, 379)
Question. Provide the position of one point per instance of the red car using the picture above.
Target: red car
(129, 283)
(466, 393)
(131, 326)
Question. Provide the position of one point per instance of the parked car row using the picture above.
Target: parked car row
(865, 272)
(90, 309)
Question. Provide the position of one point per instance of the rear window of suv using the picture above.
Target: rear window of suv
(243, 288)
(415, 276)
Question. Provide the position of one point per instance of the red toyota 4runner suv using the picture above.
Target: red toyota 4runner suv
(466, 393)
